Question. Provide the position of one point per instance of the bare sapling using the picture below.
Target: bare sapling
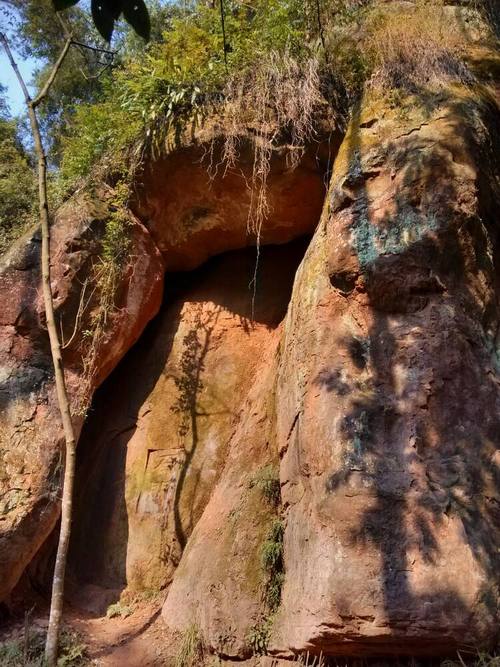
(57, 598)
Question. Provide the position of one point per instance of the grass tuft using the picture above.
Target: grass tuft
(191, 649)
(268, 483)
(420, 48)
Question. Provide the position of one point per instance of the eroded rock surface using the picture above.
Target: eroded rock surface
(392, 347)
(386, 407)
(154, 447)
(195, 206)
(30, 432)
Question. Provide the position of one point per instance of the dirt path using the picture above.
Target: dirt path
(136, 641)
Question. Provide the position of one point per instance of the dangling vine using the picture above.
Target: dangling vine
(279, 98)
(223, 26)
(321, 31)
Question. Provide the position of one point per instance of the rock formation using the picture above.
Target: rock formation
(371, 390)
(386, 409)
(30, 476)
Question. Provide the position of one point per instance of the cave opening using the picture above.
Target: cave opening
(156, 436)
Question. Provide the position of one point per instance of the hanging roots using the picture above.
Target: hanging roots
(278, 100)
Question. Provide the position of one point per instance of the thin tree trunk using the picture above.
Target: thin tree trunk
(55, 348)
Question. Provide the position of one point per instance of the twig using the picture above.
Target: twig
(93, 48)
(98, 75)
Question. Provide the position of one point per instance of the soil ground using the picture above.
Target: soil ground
(135, 641)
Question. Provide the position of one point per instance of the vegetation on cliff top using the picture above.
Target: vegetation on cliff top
(185, 76)
(282, 59)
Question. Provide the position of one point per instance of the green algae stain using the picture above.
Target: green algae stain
(373, 241)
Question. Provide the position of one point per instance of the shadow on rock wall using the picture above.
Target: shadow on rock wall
(424, 427)
(154, 443)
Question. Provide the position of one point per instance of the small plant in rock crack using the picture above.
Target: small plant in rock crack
(268, 482)
(191, 648)
(258, 636)
(273, 565)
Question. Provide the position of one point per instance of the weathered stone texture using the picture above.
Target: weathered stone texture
(377, 397)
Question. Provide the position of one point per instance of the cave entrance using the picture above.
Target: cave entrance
(156, 437)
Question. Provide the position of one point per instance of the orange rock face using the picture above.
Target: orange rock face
(195, 210)
(372, 393)
(388, 395)
(155, 445)
(383, 407)
(30, 432)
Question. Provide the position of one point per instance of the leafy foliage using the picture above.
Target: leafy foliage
(272, 563)
(273, 78)
(30, 653)
(182, 77)
(105, 126)
(267, 481)
(259, 635)
(17, 184)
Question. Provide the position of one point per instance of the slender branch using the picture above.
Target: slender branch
(320, 24)
(68, 30)
(13, 64)
(94, 77)
(64, 25)
(93, 48)
(57, 66)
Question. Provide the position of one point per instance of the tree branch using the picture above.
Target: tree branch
(57, 66)
(93, 48)
(57, 598)
(24, 88)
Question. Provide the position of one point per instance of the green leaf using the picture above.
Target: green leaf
(103, 19)
(136, 14)
(59, 5)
